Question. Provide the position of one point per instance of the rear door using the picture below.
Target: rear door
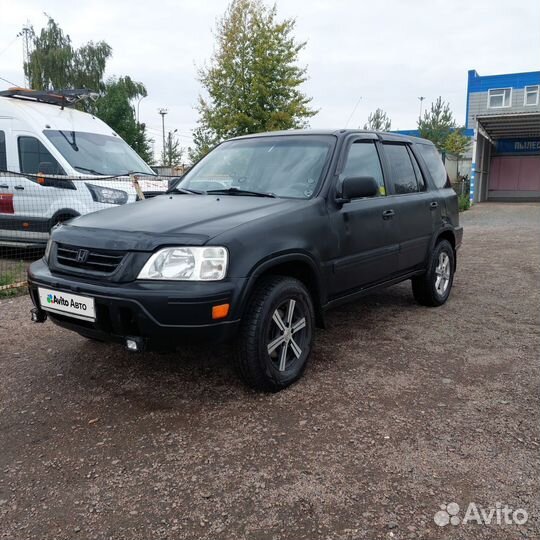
(365, 229)
(413, 205)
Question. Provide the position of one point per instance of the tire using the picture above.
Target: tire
(427, 289)
(269, 326)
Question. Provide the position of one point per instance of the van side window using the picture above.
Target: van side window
(363, 160)
(434, 164)
(402, 175)
(35, 158)
(3, 157)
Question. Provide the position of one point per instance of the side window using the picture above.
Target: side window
(434, 164)
(3, 158)
(419, 178)
(402, 175)
(33, 156)
(363, 160)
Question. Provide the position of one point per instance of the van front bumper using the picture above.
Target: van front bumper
(162, 313)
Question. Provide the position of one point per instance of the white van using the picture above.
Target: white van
(43, 145)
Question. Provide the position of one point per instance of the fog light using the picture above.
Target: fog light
(134, 344)
(220, 311)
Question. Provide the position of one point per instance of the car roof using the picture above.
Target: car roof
(40, 116)
(340, 133)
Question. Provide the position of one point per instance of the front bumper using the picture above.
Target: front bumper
(163, 313)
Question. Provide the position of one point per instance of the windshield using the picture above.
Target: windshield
(94, 153)
(285, 166)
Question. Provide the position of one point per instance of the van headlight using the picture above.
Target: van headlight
(107, 195)
(187, 264)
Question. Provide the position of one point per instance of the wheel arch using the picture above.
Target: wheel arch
(63, 212)
(300, 266)
(449, 235)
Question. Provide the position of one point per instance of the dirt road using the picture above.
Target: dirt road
(402, 409)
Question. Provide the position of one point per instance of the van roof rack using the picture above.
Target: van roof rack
(63, 98)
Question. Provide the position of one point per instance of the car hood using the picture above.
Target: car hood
(169, 219)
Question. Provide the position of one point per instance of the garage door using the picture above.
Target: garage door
(514, 177)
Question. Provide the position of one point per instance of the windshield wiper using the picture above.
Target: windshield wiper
(86, 169)
(186, 190)
(238, 191)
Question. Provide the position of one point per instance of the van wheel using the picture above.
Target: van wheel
(60, 218)
(276, 335)
(433, 287)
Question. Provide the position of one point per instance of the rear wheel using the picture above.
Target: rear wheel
(433, 287)
(276, 335)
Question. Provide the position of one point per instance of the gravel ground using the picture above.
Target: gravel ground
(403, 408)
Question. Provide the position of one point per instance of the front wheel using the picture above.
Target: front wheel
(276, 336)
(433, 287)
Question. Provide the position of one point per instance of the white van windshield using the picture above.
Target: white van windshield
(94, 153)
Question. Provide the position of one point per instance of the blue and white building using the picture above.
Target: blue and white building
(503, 112)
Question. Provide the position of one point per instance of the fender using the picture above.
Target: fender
(264, 265)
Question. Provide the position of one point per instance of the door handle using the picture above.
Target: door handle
(433, 205)
(4, 186)
(19, 187)
(388, 214)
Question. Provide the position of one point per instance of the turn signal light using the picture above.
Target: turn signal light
(220, 311)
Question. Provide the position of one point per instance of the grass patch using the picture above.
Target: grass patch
(464, 202)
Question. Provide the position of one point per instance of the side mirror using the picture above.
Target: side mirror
(356, 187)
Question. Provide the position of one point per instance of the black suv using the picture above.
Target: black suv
(257, 241)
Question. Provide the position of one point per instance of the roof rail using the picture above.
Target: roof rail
(62, 98)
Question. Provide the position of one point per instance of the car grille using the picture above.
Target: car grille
(96, 260)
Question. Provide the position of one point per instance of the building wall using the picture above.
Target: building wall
(479, 86)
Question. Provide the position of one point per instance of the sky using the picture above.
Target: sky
(360, 54)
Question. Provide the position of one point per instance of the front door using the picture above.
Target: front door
(365, 229)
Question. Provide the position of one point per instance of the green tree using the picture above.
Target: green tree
(55, 64)
(437, 124)
(253, 79)
(115, 108)
(457, 144)
(171, 155)
(378, 121)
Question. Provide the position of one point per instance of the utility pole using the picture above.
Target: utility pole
(421, 98)
(163, 112)
(26, 34)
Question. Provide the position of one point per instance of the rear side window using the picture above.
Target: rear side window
(35, 158)
(434, 164)
(402, 174)
(3, 158)
(363, 160)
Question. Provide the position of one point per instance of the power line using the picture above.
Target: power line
(9, 82)
(6, 48)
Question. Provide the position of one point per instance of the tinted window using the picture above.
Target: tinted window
(402, 176)
(418, 172)
(3, 160)
(33, 156)
(363, 160)
(434, 164)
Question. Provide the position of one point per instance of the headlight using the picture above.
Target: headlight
(187, 264)
(107, 195)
